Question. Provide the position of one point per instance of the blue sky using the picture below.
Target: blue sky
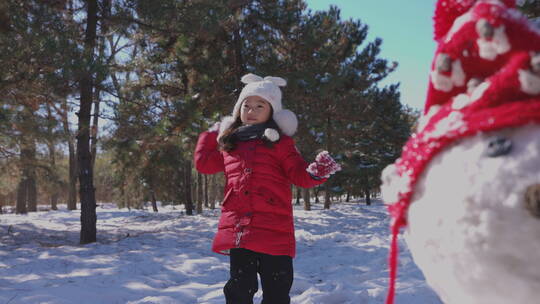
(407, 31)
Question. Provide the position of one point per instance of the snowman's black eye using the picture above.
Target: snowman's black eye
(498, 146)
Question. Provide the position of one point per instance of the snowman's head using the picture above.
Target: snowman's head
(471, 166)
(474, 220)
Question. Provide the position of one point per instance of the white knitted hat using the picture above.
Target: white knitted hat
(267, 88)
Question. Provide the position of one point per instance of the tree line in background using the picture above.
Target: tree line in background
(160, 72)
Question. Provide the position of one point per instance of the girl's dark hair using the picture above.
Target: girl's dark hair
(227, 142)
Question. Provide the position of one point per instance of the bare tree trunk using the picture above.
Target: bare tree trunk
(106, 11)
(12, 198)
(194, 191)
(187, 185)
(31, 187)
(348, 198)
(22, 194)
(367, 191)
(84, 156)
(123, 195)
(199, 193)
(298, 195)
(205, 179)
(128, 203)
(24, 191)
(94, 128)
(153, 198)
(307, 199)
(238, 56)
(72, 163)
(368, 196)
(52, 158)
(327, 202)
(72, 185)
(32, 191)
(28, 164)
(73, 176)
(213, 192)
(54, 201)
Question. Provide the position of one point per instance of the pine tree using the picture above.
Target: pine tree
(327, 70)
(84, 157)
(33, 55)
(179, 70)
(531, 8)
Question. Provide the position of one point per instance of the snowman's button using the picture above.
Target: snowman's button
(498, 146)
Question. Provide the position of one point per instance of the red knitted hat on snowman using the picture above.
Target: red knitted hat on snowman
(485, 76)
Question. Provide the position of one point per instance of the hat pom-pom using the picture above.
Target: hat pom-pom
(287, 122)
(271, 134)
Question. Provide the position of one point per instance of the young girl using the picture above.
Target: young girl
(260, 161)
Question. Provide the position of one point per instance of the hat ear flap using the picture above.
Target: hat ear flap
(249, 78)
(286, 121)
(280, 82)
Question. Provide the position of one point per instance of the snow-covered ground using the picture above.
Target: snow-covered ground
(145, 257)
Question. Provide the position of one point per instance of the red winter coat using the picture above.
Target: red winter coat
(256, 211)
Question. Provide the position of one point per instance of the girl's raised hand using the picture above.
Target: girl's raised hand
(323, 166)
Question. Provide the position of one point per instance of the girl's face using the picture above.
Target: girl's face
(255, 110)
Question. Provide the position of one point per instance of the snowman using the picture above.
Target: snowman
(466, 188)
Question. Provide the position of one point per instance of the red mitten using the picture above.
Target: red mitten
(323, 166)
